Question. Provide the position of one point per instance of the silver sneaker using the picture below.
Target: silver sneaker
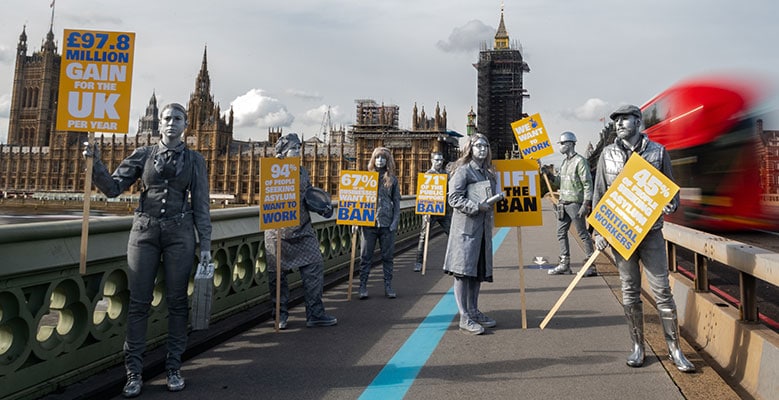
(283, 322)
(175, 381)
(470, 327)
(363, 292)
(592, 271)
(133, 386)
(324, 320)
(561, 269)
(483, 320)
(417, 267)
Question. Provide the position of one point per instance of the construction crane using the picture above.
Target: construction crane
(327, 124)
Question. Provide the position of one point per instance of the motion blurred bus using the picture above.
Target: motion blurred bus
(713, 129)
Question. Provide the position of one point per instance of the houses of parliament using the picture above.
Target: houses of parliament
(38, 159)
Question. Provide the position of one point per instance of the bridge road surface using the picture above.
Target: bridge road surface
(411, 348)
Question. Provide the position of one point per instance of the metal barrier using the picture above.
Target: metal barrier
(58, 327)
(738, 347)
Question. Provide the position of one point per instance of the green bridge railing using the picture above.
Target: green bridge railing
(58, 327)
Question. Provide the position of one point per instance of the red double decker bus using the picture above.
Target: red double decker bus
(713, 127)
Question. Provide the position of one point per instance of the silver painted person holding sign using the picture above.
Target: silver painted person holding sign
(174, 203)
(651, 251)
(299, 248)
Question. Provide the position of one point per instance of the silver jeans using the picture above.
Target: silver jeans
(652, 254)
(572, 216)
(152, 239)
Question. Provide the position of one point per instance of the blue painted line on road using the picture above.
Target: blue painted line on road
(394, 380)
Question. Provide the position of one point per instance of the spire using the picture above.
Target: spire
(49, 45)
(502, 36)
(203, 82)
(21, 48)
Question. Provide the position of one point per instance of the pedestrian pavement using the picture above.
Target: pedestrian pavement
(410, 347)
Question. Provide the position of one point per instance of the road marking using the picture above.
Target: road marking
(394, 380)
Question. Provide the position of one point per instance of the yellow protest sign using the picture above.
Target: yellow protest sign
(95, 81)
(357, 195)
(431, 194)
(520, 183)
(531, 137)
(280, 190)
(631, 205)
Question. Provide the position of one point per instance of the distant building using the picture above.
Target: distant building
(37, 159)
(500, 91)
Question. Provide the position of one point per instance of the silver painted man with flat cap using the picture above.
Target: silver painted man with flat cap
(299, 249)
(651, 251)
(575, 203)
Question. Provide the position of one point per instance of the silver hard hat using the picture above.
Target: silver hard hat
(567, 137)
(317, 200)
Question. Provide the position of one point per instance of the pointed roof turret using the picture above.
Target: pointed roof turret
(21, 48)
(501, 36)
(203, 81)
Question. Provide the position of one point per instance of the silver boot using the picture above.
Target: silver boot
(635, 316)
(563, 268)
(671, 331)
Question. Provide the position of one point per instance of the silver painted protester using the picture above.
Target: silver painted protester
(299, 249)
(651, 251)
(469, 249)
(574, 204)
(444, 221)
(174, 203)
(387, 220)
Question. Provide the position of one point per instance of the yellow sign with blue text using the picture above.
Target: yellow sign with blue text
(520, 182)
(95, 81)
(631, 205)
(280, 190)
(431, 194)
(532, 138)
(357, 195)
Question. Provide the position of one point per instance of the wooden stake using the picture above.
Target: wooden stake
(568, 290)
(278, 279)
(427, 238)
(521, 279)
(549, 187)
(82, 264)
(351, 263)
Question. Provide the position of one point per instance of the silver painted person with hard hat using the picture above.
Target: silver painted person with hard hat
(575, 202)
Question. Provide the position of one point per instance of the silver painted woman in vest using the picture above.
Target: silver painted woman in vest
(469, 250)
(174, 203)
(651, 251)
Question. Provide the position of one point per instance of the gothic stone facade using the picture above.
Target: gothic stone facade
(39, 159)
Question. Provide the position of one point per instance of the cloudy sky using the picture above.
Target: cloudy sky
(285, 63)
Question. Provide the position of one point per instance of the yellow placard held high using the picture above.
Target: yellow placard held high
(520, 183)
(280, 190)
(357, 195)
(532, 138)
(95, 81)
(431, 194)
(631, 205)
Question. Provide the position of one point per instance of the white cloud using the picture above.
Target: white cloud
(256, 109)
(592, 110)
(467, 38)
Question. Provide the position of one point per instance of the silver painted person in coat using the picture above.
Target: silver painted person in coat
(469, 250)
(299, 250)
(651, 251)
